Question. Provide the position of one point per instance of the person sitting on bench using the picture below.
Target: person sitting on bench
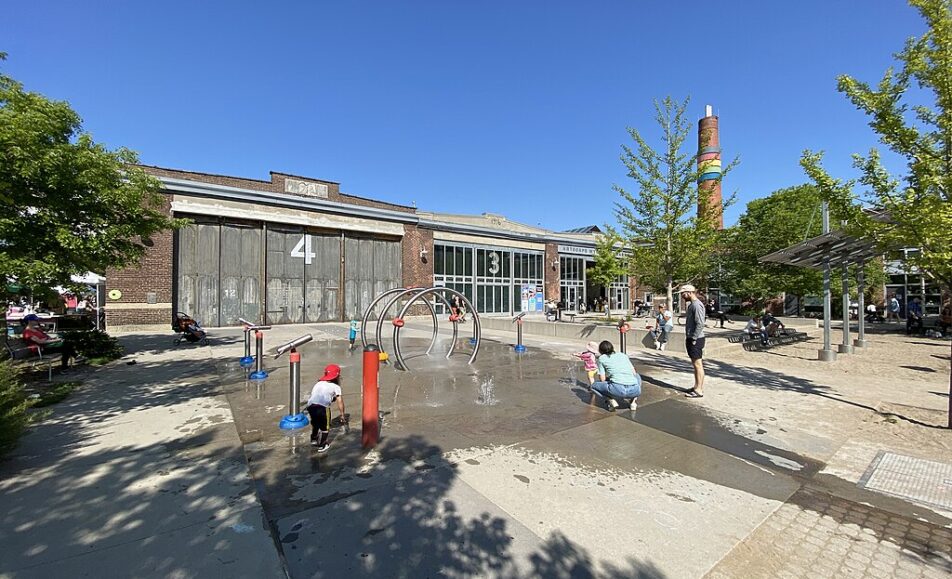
(753, 328)
(914, 317)
(34, 335)
(945, 318)
(714, 311)
(771, 326)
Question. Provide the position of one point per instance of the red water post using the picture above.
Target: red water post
(370, 425)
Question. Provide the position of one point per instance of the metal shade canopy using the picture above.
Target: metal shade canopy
(836, 246)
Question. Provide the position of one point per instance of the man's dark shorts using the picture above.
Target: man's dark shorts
(695, 348)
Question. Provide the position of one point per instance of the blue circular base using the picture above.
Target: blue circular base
(520, 348)
(293, 421)
(246, 362)
(259, 375)
(472, 341)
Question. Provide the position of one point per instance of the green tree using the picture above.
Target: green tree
(608, 263)
(914, 209)
(910, 109)
(71, 205)
(784, 218)
(658, 220)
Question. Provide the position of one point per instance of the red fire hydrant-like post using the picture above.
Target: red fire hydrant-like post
(370, 425)
(622, 337)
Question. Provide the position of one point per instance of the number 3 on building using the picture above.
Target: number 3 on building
(493, 263)
(303, 249)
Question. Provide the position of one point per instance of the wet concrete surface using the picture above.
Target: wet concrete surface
(502, 399)
(504, 466)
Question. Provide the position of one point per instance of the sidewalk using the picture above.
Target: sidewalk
(139, 473)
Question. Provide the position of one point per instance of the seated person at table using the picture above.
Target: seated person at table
(33, 334)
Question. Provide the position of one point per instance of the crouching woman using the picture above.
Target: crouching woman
(617, 378)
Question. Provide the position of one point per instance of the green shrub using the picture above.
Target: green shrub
(13, 408)
(94, 344)
(58, 393)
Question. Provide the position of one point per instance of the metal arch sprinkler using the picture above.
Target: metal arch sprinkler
(399, 320)
(477, 331)
(370, 309)
(395, 299)
(295, 419)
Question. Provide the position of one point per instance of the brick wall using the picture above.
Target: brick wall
(153, 273)
(417, 272)
(553, 289)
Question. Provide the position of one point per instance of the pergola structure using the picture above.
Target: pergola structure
(824, 252)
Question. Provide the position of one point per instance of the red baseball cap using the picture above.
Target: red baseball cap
(331, 371)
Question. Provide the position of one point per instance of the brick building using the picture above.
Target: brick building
(296, 249)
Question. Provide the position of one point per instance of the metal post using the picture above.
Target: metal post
(370, 423)
(247, 360)
(826, 354)
(519, 347)
(259, 373)
(845, 347)
(295, 419)
(860, 342)
(623, 336)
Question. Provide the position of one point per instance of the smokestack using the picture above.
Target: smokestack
(709, 168)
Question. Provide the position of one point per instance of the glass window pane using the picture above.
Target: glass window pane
(438, 268)
(468, 261)
(506, 258)
(459, 260)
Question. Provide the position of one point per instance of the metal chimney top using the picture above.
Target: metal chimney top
(708, 111)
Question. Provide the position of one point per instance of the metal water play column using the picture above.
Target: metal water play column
(370, 411)
(518, 321)
(248, 327)
(295, 419)
(259, 373)
(623, 328)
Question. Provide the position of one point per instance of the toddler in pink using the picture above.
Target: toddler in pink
(589, 356)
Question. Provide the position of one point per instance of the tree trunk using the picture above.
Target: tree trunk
(670, 294)
(950, 389)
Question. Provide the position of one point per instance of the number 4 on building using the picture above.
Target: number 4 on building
(303, 249)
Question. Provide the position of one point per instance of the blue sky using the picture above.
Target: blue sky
(515, 107)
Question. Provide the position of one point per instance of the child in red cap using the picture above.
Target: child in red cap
(325, 391)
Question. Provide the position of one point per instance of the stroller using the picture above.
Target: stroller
(190, 329)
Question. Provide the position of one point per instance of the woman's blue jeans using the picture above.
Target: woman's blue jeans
(619, 392)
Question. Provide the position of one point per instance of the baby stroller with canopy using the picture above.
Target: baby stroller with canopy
(189, 329)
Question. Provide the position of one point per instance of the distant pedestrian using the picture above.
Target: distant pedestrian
(694, 337)
(590, 357)
(352, 335)
(324, 392)
(892, 308)
(617, 379)
(663, 326)
(714, 311)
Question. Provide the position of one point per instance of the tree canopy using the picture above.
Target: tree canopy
(915, 209)
(657, 217)
(72, 205)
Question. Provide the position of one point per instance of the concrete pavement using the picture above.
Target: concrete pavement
(175, 467)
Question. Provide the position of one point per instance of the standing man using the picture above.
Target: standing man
(892, 308)
(694, 337)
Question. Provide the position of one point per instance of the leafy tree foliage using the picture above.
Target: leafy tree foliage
(784, 218)
(657, 217)
(71, 205)
(915, 209)
(608, 263)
